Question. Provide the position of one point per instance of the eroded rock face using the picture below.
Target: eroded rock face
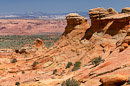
(73, 20)
(107, 22)
(112, 11)
(101, 12)
(126, 10)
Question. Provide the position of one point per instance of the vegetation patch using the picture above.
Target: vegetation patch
(96, 61)
(68, 65)
(14, 60)
(23, 72)
(17, 83)
(76, 66)
(16, 42)
(70, 82)
(54, 72)
(34, 64)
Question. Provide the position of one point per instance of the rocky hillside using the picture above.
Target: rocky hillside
(30, 26)
(96, 55)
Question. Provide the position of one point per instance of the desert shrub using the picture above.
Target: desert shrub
(17, 83)
(96, 61)
(14, 60)
(68, 65)
(70, 82)
(54, 72)
(23, 72)
(76, 66)
(34, 64)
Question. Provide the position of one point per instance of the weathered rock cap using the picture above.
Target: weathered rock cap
(125, 10)
(112, 11)
(75, 19)
(101, 12)
(97, 9)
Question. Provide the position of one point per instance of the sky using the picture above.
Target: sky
(58, 6)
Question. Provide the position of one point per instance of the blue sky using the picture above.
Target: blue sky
(58, 6)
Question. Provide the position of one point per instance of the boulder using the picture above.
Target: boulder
(127, 40)
(113, 80)
(21, 51)
(125, 45)
(38, 43)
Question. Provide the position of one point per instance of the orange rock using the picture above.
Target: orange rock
(73, 20)
(113, 80)
(126, 10)
(125, 45)
(39, 43)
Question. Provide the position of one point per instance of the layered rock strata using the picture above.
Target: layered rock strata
(102, 48)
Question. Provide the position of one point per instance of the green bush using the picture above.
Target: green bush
(70, 82)
(76, 66)
(96, 61)
(68, 65)
(23, 72)
(54, 72)
(17, 83)
(14, 60)
(34, 64)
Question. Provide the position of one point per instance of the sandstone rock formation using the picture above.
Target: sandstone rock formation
(126, 10)
(97, 48)
(101, 12)
(73, 20)
(39, 43)
(112, 11)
